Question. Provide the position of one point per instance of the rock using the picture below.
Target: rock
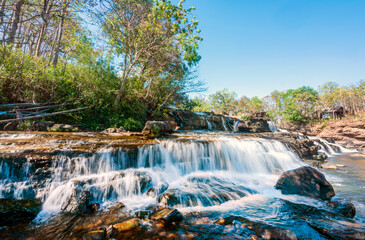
(42, 125)
(263, 230)
(168, 216)
(305, 181)
(127, 225)
(254, 126)
(329, 166)
(95, 235)
(11, 126)
(114, 130)
(346, 209)
(337, 229)
(157, 190)
(94, 207)
(62, 128)
(143, 214)
(15, 210)
(168, 199)
(320, 157)
(156, 128)
(77, 203)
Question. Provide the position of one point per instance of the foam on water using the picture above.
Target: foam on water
(200, 168)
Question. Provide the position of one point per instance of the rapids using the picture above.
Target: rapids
(207, 172)
(113, 175)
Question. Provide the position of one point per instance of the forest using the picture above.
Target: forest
(128, 61)
(295, 105)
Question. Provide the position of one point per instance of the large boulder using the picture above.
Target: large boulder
(154, 129)
(305, 181)
(15, 210)
(254, 126)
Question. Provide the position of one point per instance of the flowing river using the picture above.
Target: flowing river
(205, 172)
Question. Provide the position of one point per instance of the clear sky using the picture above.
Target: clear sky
(256, 46)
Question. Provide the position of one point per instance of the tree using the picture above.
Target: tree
(156, 41)
(297, 105)
(327, 96)
(224, 101)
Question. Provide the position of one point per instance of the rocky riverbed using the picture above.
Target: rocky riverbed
(185, 185)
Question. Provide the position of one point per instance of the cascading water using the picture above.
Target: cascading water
(224, 123)
(272, 126)
(330, 148)
(205, 172)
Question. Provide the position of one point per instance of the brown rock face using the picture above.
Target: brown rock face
(254, 126)
(305, 181)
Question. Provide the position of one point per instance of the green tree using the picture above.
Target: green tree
(297, 105)
(224, 101)
(157, 42)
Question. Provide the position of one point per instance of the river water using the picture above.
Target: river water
(207, 172)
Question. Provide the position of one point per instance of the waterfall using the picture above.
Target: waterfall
(221, 164)
(224, 123)
(330, 148)
(235, 126)
(209, 124)
(272, 126)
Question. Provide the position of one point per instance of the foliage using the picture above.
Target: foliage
(223, 101)
(297, 105)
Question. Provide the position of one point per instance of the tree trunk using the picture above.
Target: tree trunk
(2, 12)
(15, 20)
(59, 37)
(45, 16)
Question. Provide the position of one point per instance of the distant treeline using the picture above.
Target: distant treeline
(295, 105)
(126, 59)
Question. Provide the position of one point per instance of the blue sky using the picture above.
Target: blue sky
(256, 46)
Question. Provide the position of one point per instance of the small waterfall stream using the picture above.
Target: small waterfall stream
(113, 175)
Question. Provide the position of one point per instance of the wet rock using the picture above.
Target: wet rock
(77, 203)
(143, 214)
(320, 157)
(157, 190)
(127, 225)
(263, 230)
(144, 180)
(94, 207)
(168, 199)
(168, 216)
(329, 166)
(15, 210)
(346, 209)
(337, 229)
(95, 235)
(305, 181)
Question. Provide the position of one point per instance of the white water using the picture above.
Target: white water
(272, 126)
(328, 148)
(202, 172)
(224, 123)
